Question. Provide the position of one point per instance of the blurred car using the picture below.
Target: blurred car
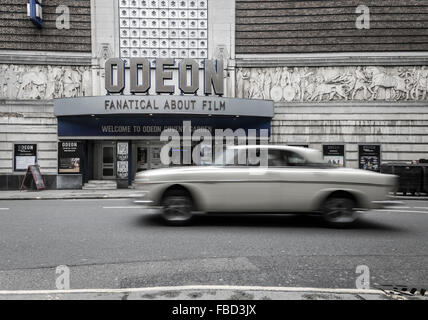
(295, 180)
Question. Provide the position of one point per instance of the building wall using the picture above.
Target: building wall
(330, 26)
(19, 33)
(351, 105)
(28, 122)
(36, 66)
(105, 40)
(400, 128)
(333, 83)
(39, 65)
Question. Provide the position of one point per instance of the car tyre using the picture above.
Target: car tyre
(339, 212)
(177, 207)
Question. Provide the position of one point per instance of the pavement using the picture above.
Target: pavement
(103, 194)
(211, 293)
(67, 194)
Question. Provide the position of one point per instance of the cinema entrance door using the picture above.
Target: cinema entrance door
(104, 160)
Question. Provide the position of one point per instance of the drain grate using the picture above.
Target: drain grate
(403, 289)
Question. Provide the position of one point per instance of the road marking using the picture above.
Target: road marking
(121, 207)
(406, 211)
(420, 208)
(71, 200)
(4, 208)
(200, 287)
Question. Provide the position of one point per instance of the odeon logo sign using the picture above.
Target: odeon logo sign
(141, 71)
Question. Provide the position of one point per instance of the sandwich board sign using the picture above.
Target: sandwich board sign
(33, 174)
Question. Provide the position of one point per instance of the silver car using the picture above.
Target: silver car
(295, 180)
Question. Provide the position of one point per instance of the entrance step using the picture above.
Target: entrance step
(100, 185)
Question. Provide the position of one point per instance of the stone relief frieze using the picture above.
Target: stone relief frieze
(317, 84)
(44, 82)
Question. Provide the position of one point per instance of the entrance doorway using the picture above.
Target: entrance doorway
(148, 156)
(105, 160)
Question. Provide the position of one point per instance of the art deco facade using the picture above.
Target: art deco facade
(357, 94)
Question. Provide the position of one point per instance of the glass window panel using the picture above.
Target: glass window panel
(107, 154)
(163, 20)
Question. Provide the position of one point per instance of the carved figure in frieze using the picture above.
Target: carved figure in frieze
(32, 84)
(296, 79)
(267, 85)
(53, 88)
(276, 91)
(305, 83)
(276, 78)
(380, 79)
(360, 82)
(254, 91)
(328, 90)
(333, 83)
(3, 80)
(285, 77)
(12, 83)
(44, 82)
(420, 89)
(260, 81)
(239, 84)
(288, 91)
(246, 76)
(86, 81)
(72, 83)
(410, 83)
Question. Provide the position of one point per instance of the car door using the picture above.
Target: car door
(240, 188)
(297, 182)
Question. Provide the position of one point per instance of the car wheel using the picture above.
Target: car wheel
(338, 211)
(177, 208)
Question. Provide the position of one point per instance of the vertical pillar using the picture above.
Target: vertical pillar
(130, 163)
(86, 168)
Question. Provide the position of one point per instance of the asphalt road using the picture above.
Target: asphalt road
(113, 244)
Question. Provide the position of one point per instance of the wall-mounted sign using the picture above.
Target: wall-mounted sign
(35, 12)
(122, 160)
(163, 104)
(334, 154)
(70, 157)
(24, 155)
(152, 126)
(140, 74)
(369, 157)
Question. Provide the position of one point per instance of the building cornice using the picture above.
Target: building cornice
(333, 59)
(352, 104)
(45, 58)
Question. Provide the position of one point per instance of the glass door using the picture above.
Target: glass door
(108, 156)
(142, 158)
(155, 158)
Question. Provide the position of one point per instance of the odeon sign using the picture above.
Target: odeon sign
(127, 115)
(140, 76)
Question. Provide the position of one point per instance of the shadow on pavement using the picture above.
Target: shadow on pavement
(266, 221)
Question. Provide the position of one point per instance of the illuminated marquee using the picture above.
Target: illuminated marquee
(213, 76)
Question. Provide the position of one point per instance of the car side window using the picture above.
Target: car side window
(276, 158)
(293, 159)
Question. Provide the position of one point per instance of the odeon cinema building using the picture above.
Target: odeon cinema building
(87, 86)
